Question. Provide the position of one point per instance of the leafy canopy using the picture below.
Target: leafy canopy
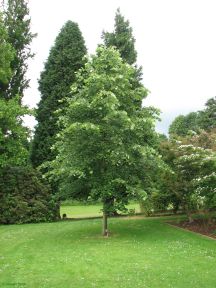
(106, 141)
(18, 25)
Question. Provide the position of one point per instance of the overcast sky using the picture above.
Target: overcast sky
(175, 41)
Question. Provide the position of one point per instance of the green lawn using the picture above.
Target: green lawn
(80, 211)
(72, 254)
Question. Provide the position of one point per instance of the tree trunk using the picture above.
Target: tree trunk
(105, 222)
(188, 213)
(142, 208)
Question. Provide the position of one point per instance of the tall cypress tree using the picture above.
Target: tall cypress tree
(17, 22)
(65, 58)
(122, 38)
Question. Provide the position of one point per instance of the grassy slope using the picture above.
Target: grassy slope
(79, 211)
(140, 253)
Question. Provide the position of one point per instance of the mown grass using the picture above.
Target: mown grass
(80, 211)
(72, 254)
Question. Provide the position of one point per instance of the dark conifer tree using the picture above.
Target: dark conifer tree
(65, 58)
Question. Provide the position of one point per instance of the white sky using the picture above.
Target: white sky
(175, 41)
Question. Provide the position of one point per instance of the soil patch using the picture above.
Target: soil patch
(200, 226)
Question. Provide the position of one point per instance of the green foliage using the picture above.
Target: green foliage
(65, 58)
(106, 141)
(193, 180)
(17, 22)
(191, 163)
(13, 134)
(6, 57)
(208, 115)
(182, 125)
(122, 38)
(24, 197)
(195, 121)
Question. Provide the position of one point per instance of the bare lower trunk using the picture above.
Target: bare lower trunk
(190, 219)
(208, 217)
(188, 213)
(105, 223)
(142, 209)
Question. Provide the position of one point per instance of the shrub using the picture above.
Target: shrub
(25, 197)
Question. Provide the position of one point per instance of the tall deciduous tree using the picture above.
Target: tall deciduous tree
(17, 22)
(65, 58)
(106, 141)
(12, 133)
(6, 57)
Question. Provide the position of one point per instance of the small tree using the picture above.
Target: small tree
(189, 163)
(106, 141)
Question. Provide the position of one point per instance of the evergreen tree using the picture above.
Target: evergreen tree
(65, 58)
(122, 38)
(17, 22)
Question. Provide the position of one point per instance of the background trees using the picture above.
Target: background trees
(192, 159)
(195, 121)
(12, 133)
(208, 115)
(183, 124)
(65, 58)
(24, 196)
(6, 57)
(17, 22)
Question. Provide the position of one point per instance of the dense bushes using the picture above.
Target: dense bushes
(25, 198)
